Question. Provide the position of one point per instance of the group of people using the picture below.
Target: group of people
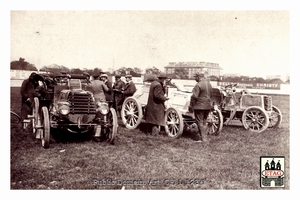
(104, 91)
(102, 88)
(200, 104)
(116, 93)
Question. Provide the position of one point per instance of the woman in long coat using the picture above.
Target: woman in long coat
(155, 109)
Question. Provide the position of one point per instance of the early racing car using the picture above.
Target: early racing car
(177, 116)
(65, 102)
(255, 111)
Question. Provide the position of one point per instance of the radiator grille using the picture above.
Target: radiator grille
(268, 103)
(81, 103)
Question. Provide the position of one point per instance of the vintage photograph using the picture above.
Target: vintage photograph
(150, 99)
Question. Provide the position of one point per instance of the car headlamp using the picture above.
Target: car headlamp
(64, 109)
(103, 108)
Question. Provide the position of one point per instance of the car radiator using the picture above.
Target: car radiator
(268, 103)
(81, 103)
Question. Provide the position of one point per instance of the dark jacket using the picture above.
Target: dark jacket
(118, 96)
(108, 94)
(129, 89)
(155, 109)
(27, 90)
(201, 98)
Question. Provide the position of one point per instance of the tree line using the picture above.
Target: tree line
(179, 73)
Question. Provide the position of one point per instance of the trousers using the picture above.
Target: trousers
(201, 120)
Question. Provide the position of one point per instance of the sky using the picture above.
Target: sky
(253, 43)
(254, 38)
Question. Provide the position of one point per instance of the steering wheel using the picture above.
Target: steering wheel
(231, 85)
(58, 79)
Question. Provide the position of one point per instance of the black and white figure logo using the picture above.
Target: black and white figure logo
(272, 171)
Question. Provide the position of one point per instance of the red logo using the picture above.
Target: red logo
(272, 173)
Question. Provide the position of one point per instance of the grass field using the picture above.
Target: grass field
(140, 161)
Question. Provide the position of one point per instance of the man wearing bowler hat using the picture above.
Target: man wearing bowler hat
(155, 109)
(200, 104)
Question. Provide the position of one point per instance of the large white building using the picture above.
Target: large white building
(213, 69)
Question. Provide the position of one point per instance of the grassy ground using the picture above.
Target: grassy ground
(139, 161)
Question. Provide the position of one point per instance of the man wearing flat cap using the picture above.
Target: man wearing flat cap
(129, 89)
(200, 104)
(118, 96)
(155, 109)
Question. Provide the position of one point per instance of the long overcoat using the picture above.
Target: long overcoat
(155, 109)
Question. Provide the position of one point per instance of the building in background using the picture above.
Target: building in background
(213, 69)
(283, 77)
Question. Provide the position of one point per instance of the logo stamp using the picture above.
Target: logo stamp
(272, 171)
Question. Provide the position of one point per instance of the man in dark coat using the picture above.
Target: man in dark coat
(118, 96)
(201, 104)
(129, 89)
(27, 92)
(155, 109)
(108, 94)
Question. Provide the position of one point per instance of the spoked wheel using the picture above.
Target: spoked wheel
(255, 119)
(275, 118)
(214, 122)
(113, 129)
(45, 129)
(131, 113)
(173, 123)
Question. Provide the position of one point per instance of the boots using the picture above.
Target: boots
(202, 130)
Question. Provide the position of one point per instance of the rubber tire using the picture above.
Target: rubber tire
(114, 130)
(179, 123)
(279, 117)
(216, 113)
(262, 112)
(45, 134)
(138, 117)
(35, 112)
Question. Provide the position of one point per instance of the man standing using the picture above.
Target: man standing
(98, 88)
(108, 94)
(118, 96)
(155, 109)
(27, 92)
(129, 88)
(201, 104)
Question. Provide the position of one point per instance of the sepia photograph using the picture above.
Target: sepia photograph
(150, 99)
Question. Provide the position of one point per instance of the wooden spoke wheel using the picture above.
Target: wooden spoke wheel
(255, 119)
(131, 113)
(275, 118)
(214, 122)
(45, 130)
(173, 123)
